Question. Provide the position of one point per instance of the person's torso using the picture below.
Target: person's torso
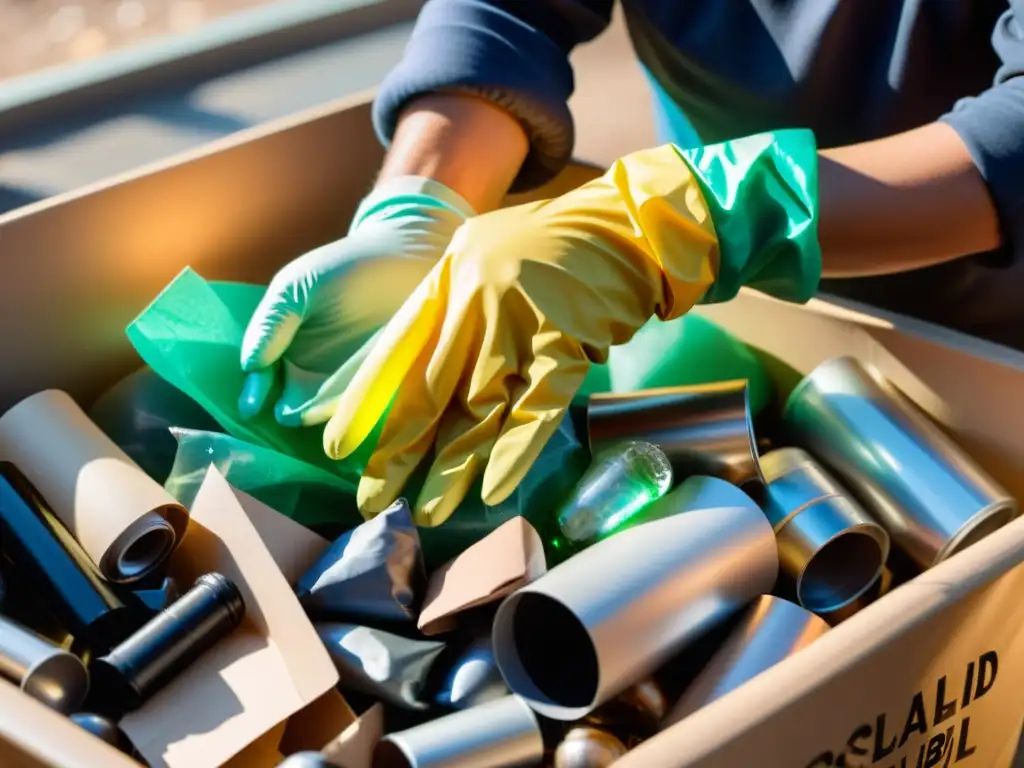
(851, 70)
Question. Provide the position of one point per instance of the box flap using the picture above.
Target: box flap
(34, 736)
(876, 664)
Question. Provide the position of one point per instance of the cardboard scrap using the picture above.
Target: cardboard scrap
(317, 724)
(354, 747)
(508, 558)
(293, 546)
(268, 669)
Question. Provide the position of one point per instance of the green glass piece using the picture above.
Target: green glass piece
(620, 482)
(762, 192)
(686, 351)
(307, 494)
(191, 335)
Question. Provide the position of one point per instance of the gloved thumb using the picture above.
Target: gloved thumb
(255, 392)
(270, 331)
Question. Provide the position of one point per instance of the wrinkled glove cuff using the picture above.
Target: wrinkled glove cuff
(407, 192)
(762, 193)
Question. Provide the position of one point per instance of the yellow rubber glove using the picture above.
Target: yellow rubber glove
(483, 359)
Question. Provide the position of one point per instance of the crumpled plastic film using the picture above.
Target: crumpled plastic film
(688, 350)
(191, 335)
(301, 491)
(380, 664)
(137, 414)
(372, 573)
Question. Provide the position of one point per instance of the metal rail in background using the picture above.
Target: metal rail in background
(223, 45)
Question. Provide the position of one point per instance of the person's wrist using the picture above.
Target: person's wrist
(463, 141)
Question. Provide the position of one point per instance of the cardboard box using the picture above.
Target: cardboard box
(241, 208)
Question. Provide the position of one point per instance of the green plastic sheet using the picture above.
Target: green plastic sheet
(686, 351)
(598, 381)
(191, 335)
(137, 414)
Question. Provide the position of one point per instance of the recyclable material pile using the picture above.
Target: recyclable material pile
(194, 588)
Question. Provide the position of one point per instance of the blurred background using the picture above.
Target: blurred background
(94, 88)
(41, 33)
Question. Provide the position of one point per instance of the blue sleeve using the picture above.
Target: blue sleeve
(991, 124)
(512, 52)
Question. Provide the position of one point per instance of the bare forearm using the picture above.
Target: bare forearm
(465, 143)
(902, 202)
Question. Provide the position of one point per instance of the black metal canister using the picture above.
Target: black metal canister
(47, 557)
(105, 729)
(173, 639)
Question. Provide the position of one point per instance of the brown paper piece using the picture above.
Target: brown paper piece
(96, 490)
(295, 548)
(317, 724)
(509, 557)
(253, 680)
(354, 747)
(262, 753)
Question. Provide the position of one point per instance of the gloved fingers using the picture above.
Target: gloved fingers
(464, 443)
(419, 409)
(382, 482)
(554, 375)
(491, 381)
(271, 328)
(300, 389)
(396, 360)
(489, 353)
(405, 440)
(310, 398)
(255, 390)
